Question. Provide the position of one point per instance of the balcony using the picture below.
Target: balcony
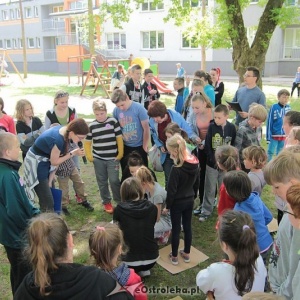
(50, 54)
(291, 53)
(53, 25)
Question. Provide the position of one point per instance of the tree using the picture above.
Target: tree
(23, 40)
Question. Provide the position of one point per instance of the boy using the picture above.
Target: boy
(282, 172)
(275, 134)
(133, 87)
(108, 148)
(220, 132)
(15, 208)
(134, 124)
(180, 71)
(250, 131)
(178, 85)
(150, 89)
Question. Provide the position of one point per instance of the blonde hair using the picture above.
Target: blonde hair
(284, 167)
(257, 155)
(295, 133)
(99, 105)
(104, 244)
(60, 94)
(118, 96)
(20, 108)
(258, 112)
(227, 156)
(47, 245)
(144, 175)
(203, 98)
(131, 190)
(177, 143)
(6, 142)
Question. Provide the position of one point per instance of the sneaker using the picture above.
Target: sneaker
(65, 211)
(203, 218)
(86, 204)
(144, 273)
(185, 256)
(173, 259)
(197, 211)
(108, 208)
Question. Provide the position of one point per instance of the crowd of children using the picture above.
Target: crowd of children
(202, 154)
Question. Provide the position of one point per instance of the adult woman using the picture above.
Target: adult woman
(54, 275)
(51, 149)
(137, 217)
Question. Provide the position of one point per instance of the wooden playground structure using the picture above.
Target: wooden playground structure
(4, 54)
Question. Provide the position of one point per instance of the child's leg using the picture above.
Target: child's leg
(100, 167)
(293, 88)
(63, 183)
(187, 226)
(167, 166)
(280, 145)
(45, 196)
(113, 167)
(78, 184)
(175, 213)
(272, 148)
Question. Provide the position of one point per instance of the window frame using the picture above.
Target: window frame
(110, 38)
(149, 33)
(28, 12)
(5, 15)
(148, 2)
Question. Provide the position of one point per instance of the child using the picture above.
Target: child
(217, 84)
(220, 132)
(290, 120)
(208, 88)
(282, 172)
(255, 158)
(293, 205)
(249, 132)
(7, 123)
(15, 208)
(180, 71)
(28, 126)
(150, 89)
(118, 77)
(157, 195)
(296, 83)
(178, 85)
(136, 218)
(106, 245)
(245, 270)
(227, 159)
(238, 186)
(275, 134)
(293, 137)
(108, 148)
(182, 187)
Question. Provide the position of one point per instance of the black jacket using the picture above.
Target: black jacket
(133, 92)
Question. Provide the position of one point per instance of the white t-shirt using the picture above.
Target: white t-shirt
(219, 278)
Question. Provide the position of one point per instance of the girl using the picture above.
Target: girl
(28, 127)
(238, 186)
(181, 189)
(106, 244)
(245, 270)
(217, 84)
(136, 218)
(255, 158)
(156, 195)
(199, 121)
(54, 275)
(293, 137)
(227, 159)
(290, 120)
(6, 122)
(208, 88)
(51, 148)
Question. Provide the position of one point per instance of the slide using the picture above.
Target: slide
(161, 86)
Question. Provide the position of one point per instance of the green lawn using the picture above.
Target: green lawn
(81, 221)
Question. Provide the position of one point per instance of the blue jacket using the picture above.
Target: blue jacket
(176, 118)
(261, 217)
(179, 101)
(275, 120)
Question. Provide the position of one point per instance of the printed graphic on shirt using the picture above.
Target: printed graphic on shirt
(218, 140)
(135, 95)
(129, 128)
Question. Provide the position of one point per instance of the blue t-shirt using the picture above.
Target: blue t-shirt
(210, 93)
(130, 122)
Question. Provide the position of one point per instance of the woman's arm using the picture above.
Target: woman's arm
(56, 159)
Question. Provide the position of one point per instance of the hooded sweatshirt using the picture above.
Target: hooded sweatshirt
(72, 282)
(183, 182)
(137, 219)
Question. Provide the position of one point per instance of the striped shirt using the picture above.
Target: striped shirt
(104, 136)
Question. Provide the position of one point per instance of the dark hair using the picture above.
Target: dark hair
(134, 159)
(60, 94)
(238, 185)
(157, 109)
(47, 244)
(228, 157)
(222, 108)
(2, 105)
(135, 67)
(293, 117)
(205, 75)
(131, 190)
(255, 72)
(180, 80)
(236, 229)
(148, 71)
(118, 96)
(174, 128)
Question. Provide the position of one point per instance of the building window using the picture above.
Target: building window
(28, 12)
(15, 44)
(30, 43)
(7, 44)
(153, 40)
(57, 9)
(292, 2)
(1, 44)
(20, 44)
(148, 5)
(5, 15)
(189, 43)
(78, 5)
(36, 11)
(193, 3)
(291, 43)
(38, 42)
(18, 16)
(12, 14)
(116, 41)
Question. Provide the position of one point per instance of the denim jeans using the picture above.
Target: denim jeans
(108, 170)
(181, 211)
(274, 147)
(167, 166)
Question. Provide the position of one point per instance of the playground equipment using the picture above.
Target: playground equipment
(4, 55)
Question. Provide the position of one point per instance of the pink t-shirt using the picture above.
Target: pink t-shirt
(7, 124)
(202, 125)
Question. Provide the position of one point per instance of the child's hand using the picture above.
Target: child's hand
(165, 211)
(243, 114)
(163, 149)
(153, 92)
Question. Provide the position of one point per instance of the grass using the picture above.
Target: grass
(81, 221)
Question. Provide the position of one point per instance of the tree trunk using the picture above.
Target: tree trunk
(91, 27)
(243, 55)
(23, 40)
(203, 48)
